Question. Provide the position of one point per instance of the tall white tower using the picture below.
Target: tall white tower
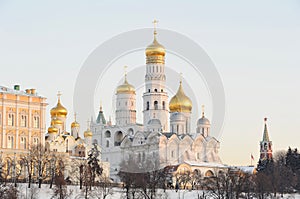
(155, 98)
(125, 104)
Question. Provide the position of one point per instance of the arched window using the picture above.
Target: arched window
(164, 105)
(147, 108)
(155, 105)
(10, 120)
(23, 121)
(107, 134)
(36, 122)
(155, 90)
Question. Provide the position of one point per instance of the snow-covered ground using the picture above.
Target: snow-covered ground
(46, 193)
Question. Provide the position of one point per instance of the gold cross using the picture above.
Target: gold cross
(75, 114)
(155, 24)
(59, 94)
(180, 77)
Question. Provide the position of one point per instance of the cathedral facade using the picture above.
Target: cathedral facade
(165, 135)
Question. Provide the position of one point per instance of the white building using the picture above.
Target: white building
(171, 143)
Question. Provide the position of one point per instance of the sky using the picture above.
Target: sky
(254, 45)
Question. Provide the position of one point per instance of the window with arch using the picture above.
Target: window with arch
(148, 104)
(10, 142)
(155, 105)
(10, 120)
(155, 90)
(162, 90)
(23, 121)
(172, 154)
(23, 142)
(107, 134)
(36, 122)
(164, 105)
(148, 90)
(35, 140)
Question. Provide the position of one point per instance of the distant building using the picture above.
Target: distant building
(22, 119)
(265, 145)
(61, 141)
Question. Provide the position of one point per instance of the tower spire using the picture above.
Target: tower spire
(266, 134)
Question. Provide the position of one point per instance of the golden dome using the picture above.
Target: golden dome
(88, 133)
(155, 48)
(56, 121)
(125, 88)
(75, 124)
(52, 129)
(180, 102)
(59, 110)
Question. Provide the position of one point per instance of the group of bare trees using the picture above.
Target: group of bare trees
(40, 166)
(141, 179)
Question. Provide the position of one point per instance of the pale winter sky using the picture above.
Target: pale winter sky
(254, 45)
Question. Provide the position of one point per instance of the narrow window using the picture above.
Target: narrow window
(155, 105)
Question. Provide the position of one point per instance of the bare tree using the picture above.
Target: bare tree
(102, 188)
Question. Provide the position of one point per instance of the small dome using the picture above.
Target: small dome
(155, 49)
(88, 133)
(59, 110)
(203, 121)
(75, 124)
(177, 116)
(56, 121)
(125, 88)
(154, 122)
(180, 102)
(52, 129)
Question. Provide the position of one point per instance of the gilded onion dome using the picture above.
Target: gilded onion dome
(75, 124)
(155, 52)
(56, 121)
(180, 102)
(59, 110)
(125, 88)
(52, 129)
(88, 133)
(155, 48)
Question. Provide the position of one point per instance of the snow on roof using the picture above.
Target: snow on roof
(7, 90)
(206, 164)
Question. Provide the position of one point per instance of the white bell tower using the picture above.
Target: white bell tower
(155, 98)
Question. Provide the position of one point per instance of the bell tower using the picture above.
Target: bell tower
(155, 97)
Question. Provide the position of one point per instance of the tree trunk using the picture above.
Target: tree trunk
(29, 181)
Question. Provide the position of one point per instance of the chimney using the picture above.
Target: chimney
(16, 87)
(28, 91)
(33, 91)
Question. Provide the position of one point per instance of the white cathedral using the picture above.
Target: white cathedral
(172, 144)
